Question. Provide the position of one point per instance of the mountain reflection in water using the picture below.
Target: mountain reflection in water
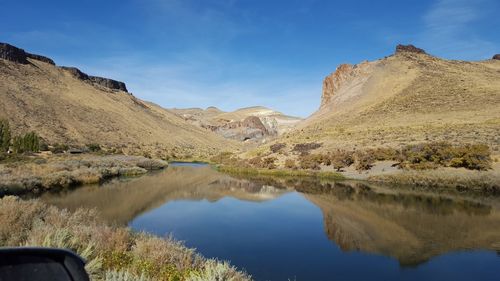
(411, 227)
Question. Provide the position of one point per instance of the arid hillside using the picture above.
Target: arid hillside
(255, 123)
(408, 97)
(66, 106)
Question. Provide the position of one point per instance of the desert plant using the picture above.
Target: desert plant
(363, 160)
(341, 159)
(290, 164)
(268, 163)
(306, 147)
(30, 142)
(5, 135)
(94, 147)
(277, 147)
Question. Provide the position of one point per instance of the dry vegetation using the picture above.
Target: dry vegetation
(35, 174)
(430, 158)
(111, 253)
(62, 109)
(461, 179)
(407, 99)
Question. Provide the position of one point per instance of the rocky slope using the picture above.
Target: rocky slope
(246, 124)
(65, 105)
(408, 97)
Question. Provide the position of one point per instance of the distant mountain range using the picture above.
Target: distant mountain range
(256, 123)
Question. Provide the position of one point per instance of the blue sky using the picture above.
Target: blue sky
(237, 53)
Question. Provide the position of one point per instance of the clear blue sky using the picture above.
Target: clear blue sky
(237, 53)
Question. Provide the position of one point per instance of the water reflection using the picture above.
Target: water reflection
(289, 228)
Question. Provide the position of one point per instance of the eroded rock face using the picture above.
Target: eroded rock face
(333, 82)
(18, 55)
(105, 82)
(9, 52)
(109, 83)
(41, 58)
(496, 57)
(409, 48)
(344, 75)
(77, 73)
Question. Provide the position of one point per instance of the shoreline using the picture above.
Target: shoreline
(38, 174)
(444, 178)
(112, 253)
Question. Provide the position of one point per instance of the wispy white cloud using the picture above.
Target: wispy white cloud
(202, 80)
(450, 31)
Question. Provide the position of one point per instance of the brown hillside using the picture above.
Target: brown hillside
(63, 108)
(406, 98)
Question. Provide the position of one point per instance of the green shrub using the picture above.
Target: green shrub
(5, 135)
(30, 142)
(94, 147)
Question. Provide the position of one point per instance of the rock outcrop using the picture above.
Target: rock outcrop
(109, 83)
(496, 57)
(18, 55)
(9, 52)
(409, 48)
(344, 74)
(40, 58)
(105, 82)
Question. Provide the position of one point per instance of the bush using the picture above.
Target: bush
(290, 164)
(306, 147)
(94, 147)
(30, 142)
(432, 155)
(268, 162)
(363, 161)
(311, 161)
(341, 159)
(277, 147)
(5, 135)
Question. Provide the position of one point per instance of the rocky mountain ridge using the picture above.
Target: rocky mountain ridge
(14, 54)
(66, 106)
(255, 124)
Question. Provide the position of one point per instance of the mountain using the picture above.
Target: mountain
(66, 106)
(256, 123)
(408, 97)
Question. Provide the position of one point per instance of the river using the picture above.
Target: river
(306, 229)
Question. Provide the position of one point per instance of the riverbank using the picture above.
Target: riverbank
(486, 182)
(112, 253)
(279, 172)
(40, 173)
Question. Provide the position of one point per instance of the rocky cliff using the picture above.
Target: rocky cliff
(12, 53)
(15, 54)
(105, 82)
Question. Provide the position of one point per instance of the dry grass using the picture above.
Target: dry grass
(62, 109)
(112, 253)
(461, 179)
(63, 171)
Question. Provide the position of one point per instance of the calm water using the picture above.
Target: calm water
(305, 229)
